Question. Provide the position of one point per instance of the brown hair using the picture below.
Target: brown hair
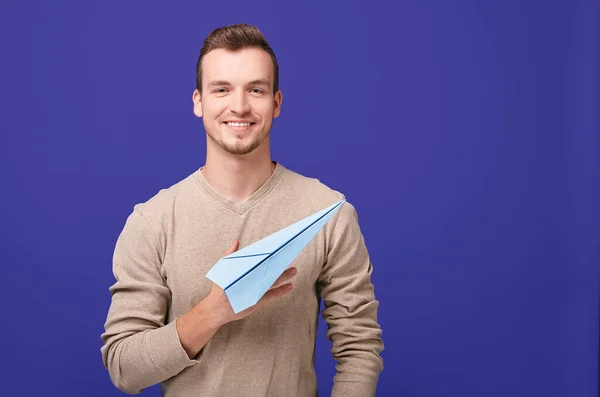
(235, 38)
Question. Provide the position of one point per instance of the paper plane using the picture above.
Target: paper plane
(247, 274)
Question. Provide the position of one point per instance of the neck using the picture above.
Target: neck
(237, 177)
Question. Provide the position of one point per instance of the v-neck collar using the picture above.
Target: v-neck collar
(240, 207)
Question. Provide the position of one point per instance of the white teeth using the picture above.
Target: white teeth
(238, 124)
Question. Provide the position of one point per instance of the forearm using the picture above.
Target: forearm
(356, 347)
(359, 365)
(196, 327)
(354, 389)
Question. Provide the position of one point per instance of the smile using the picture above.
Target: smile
(237, 124)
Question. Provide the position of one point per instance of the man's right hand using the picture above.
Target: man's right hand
(221, 308)
(196, 327)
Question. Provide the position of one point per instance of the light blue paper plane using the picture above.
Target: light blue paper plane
(246, 275)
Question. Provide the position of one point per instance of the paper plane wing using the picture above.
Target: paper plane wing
(246, 275)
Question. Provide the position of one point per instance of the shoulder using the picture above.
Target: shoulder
(343, 240)
(309, 189)
(315, 195)
(160, 207)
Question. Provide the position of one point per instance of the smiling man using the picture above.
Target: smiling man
(168, 324)
(238, 112)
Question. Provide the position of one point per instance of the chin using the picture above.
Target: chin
(239, 147)
(239, 151)
(237, 144)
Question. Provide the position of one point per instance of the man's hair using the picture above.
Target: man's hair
(235, 38)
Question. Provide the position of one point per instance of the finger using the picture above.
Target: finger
(276, 292)
(248, 311)
(232, 248)
(285, 276)
(270, 294)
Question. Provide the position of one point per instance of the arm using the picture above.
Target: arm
(139, 349)
(351, 309)
(197, 326)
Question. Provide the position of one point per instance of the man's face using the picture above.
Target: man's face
(237, 103)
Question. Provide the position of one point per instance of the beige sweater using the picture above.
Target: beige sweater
(167, 246)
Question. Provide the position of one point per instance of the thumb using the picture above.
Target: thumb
(232, 248)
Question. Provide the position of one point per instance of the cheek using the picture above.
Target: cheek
(212, 109)
(214, 116)
(265, 110)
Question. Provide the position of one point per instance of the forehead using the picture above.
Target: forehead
(237, 67)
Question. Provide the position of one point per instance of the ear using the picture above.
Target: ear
(277, 102)
(197, 99)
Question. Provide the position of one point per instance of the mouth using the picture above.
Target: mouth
(239, 125)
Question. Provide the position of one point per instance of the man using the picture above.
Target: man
(169, 324)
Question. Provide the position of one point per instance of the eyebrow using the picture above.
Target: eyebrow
(218, 82)
(263, 82)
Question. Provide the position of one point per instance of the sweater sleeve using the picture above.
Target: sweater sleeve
(139, 349)
(351, 309)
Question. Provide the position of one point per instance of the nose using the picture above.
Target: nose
(239, 103)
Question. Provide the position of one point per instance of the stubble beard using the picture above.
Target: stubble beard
(239, 149)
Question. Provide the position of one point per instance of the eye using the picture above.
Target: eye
(257, 90)
(220, 90)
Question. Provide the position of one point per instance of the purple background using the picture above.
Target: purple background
(464, 132)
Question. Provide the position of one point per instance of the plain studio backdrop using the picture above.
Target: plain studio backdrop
(464, 133)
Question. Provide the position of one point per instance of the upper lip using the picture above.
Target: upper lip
(238, 121)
